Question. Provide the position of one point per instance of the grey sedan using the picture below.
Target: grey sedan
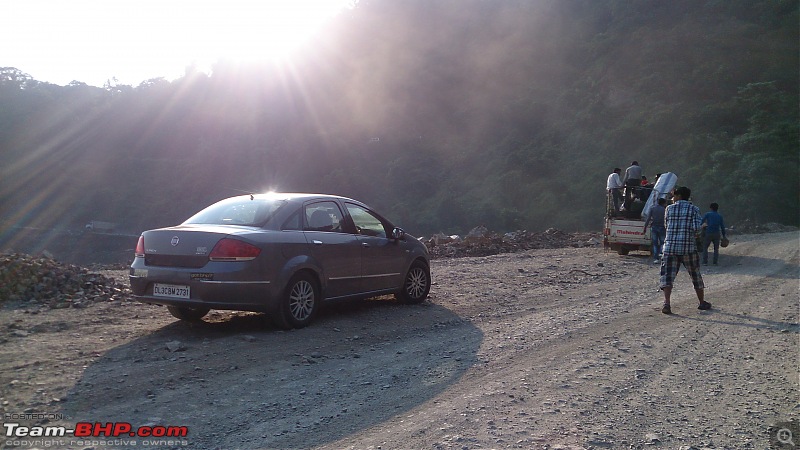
(281, 254)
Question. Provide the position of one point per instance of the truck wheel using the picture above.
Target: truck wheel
(186, 313)
(623, 251)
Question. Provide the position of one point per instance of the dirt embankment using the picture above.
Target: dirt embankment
(544, 348)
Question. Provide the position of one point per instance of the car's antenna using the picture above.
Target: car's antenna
(250, 192)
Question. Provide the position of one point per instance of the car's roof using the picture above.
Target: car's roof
(298, 196)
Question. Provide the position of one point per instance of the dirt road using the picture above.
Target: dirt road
(548, 349)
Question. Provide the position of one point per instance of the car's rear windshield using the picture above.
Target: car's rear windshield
(238, 211)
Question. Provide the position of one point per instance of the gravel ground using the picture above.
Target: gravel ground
(548, 348)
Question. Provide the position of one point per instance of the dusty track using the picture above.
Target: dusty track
(558, 348)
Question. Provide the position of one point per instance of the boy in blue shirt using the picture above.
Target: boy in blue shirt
(715, 229)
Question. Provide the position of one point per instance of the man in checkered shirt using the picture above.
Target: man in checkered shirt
(682, 220)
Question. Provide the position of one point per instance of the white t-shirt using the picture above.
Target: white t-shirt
(613, 181)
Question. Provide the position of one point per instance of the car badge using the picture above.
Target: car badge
(174, 241)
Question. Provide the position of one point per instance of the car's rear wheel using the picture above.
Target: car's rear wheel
(416, 285)
(299, 303)
(186, 313)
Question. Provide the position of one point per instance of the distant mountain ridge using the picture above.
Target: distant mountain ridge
(443, 115)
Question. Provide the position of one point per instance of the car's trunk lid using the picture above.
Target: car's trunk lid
(185, 245)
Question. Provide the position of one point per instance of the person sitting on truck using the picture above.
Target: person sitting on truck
(657, 230)
(614, 187)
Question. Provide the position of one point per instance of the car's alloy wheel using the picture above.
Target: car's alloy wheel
(301, 300)
(417, 284)
(299, 303)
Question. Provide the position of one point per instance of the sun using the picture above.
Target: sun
(131, 41)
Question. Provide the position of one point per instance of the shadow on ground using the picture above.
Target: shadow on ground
(237, 382)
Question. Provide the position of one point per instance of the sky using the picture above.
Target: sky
(95, 41)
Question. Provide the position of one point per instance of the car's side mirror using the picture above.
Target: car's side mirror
(398, 234)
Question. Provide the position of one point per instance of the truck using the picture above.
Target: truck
(100, 227)
(624, 230)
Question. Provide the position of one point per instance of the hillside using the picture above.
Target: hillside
(443, 115)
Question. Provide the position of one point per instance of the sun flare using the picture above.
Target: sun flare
(251, 30)
(133, 40)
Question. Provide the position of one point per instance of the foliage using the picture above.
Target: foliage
(443, 115)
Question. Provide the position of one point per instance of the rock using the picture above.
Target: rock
(175, 346)
(478, 232)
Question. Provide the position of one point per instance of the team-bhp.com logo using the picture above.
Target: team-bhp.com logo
(97, 429)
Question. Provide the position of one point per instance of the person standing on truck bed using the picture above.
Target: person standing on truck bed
(614, 187)
(682, 220)
(657, 230)
(633, 179)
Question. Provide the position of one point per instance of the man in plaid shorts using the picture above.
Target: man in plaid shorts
(682, 220)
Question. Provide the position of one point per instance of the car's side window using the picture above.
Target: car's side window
(366, 222)
(293, 223)
(324, 216)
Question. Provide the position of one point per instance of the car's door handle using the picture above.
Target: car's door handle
(316, 242)
(364, 244)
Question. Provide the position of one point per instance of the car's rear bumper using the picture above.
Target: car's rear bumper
(203, 293)
(248, 297)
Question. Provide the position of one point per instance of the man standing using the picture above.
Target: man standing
(682, 220)
(632, 180)
(614, 187)
(657, 229)
(715, 228)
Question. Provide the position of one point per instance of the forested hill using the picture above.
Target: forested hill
(442, 114)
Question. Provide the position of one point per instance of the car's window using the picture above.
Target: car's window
(293, 222)
(237, 211)
(323, 216)
(366, 222)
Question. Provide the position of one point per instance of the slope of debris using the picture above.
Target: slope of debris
(29, 281)
(751, 227)
(482, 242)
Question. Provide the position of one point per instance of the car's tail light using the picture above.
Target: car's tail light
(139, 253)
(233, 250)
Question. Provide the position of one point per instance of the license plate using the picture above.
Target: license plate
(170, 290)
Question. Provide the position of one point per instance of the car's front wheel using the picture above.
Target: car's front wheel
(416, 285)
(299, 303)
(186, 313)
